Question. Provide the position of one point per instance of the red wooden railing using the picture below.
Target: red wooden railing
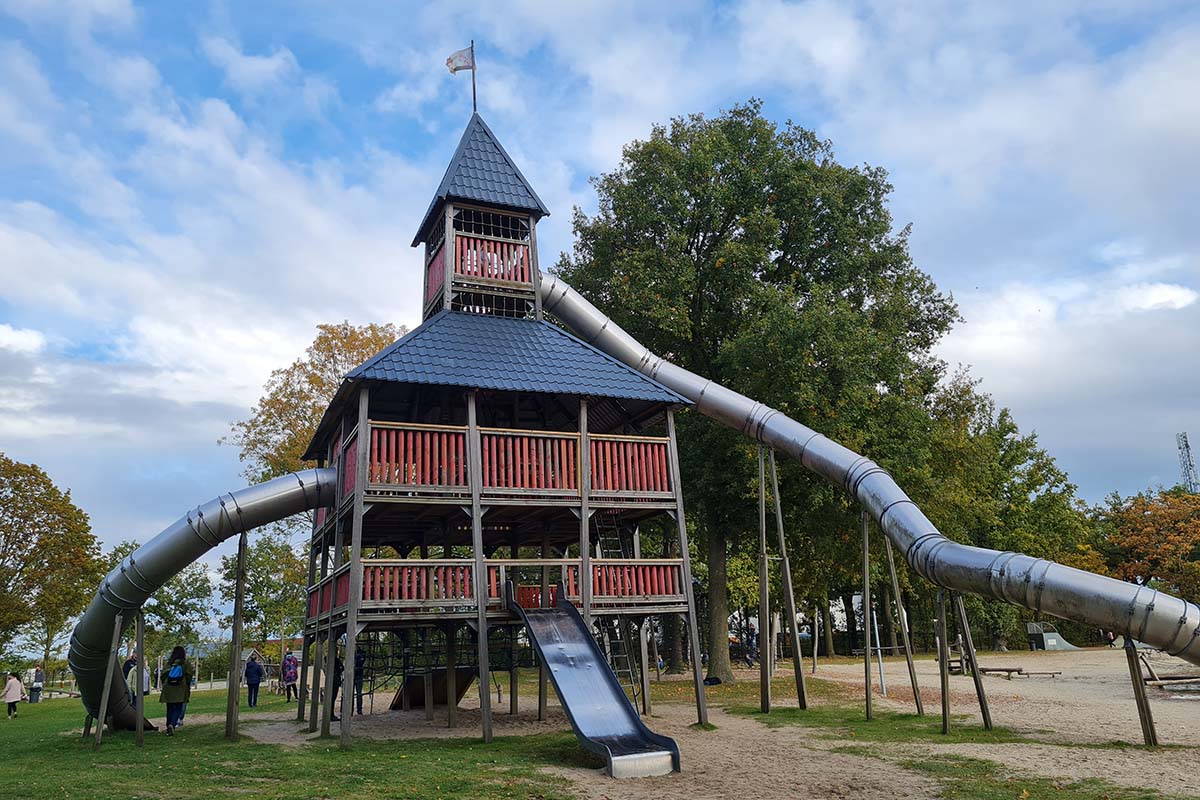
(423, 582)
(492, 258)
(350, 467)
(628, 579)
(332, 592)
(418, 455)
(530, 460)
(629, 464)
(436, 274)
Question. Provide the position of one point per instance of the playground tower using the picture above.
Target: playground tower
(484, 448)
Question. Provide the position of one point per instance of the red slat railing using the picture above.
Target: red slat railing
(660, 579)
(423, 582)
(628, 464)
(436, 273)
(418, 455)
(530, 460)
(350, 467)
(494, 259)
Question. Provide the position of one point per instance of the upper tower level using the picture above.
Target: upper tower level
(480, 233)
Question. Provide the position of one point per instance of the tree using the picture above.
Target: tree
(273, 439)
(744, 252)
(180, 611)
(275, 581)
(1154, 538)
(49, 558)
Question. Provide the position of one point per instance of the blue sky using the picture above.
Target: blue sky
(186, 190)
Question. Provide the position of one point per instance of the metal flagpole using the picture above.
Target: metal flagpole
(474, 105)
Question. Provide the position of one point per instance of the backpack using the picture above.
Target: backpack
(175, 674)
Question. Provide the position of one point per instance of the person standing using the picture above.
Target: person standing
(176, 682)
(360, 669)
(126, 668)
(291, 674)
(254, 676)
(14, 692)
(338, 669)
(39, 683)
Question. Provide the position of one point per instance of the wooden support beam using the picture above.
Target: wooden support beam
(789, 597)
(692, 622)
(1145, 717)
(475, 464)
(903, 618)
(644, 643)
(233, 687)
(969, 656)
(544, 602)
(315, 694)
(513, 677)
(363, 451)
(452, 676)
(764, 589)
(302, 682)
(140, 677)
(427, 650)
(944, 659)
(866, 604)
(108, 679)
(585, 516)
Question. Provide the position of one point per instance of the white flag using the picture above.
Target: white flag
(461, 59)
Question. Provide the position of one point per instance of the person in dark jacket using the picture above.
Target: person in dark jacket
(176, 683)
(126, 668)
(338, 669)
(254, 676)
(360, 668)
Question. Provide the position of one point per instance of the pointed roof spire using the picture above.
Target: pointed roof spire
(481, 171)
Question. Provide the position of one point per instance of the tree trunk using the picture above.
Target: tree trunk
(673, 641)
(718, 607)
(851, 623)
(827, 625)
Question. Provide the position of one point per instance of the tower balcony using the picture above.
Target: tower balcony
(411, 589)
(413, 462)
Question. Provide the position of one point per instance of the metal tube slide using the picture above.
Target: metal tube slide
(153, 564)
(1147, 615)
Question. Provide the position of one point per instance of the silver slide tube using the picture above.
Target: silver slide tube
(146, 569)
(1044, 586)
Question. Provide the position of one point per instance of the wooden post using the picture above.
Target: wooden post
(315, 694)
(331, 637)
(944, 660)
(108, 678)
(764, 590)
(866, 604)
(908, 656)
(789, 598)
(585, 516)
(969, 655)
(1149, 734)
(233, 688)
(644, 642)
(452, 677)
(140, 677)
(544, 602)
(513, 677)
(356, 569)
(475, 462)
(694, 633)
(301, 683)
(427, 650)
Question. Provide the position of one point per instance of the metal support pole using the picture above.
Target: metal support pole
(908, 656)
(108, 678)
(866, 604)
(879, 653)
(944, 660)
(1149, 734)
(969, 655)
(140, 677)
(233, 689)
(789, 597)
(816, 635)
(764, 600)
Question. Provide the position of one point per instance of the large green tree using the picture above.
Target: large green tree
(743, 251)
(179, 613)
(275, 581)
(49, 559)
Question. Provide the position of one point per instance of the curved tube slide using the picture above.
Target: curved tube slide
(1158, 619)
(153, 564)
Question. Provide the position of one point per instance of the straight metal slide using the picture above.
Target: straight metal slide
(599, 710)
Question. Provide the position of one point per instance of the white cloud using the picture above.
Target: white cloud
(21, 340)
(250, 74)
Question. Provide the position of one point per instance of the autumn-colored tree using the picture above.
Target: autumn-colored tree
(272, 440)
(49, 558)
(1155, 537)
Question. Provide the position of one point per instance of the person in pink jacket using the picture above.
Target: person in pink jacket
(14, 692)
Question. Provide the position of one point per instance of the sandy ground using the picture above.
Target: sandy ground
(1072, 717)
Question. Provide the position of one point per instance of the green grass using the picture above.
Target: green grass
(44, 757)
(975, 779)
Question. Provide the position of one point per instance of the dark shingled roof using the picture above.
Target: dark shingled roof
(482, 172)
(518, 355)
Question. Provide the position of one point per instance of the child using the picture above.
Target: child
(14, 692)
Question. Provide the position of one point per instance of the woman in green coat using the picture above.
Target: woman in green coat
(176, 683)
